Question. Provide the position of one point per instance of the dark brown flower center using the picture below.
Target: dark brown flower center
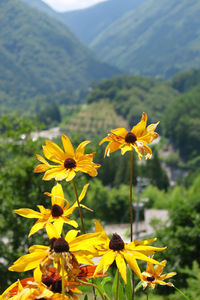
(47, 280)
(56, 210)
(57, 286)
(69, 163)
(151, 278)
(116, 243)
(130, 138)
(52, 241)
(61, 245)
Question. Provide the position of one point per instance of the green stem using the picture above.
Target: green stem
(133, 284)
(63, 277)
(131, 214)
(186, 297)
(94, 286)
(117, 288)
(147, 293)
(131, 196)
(93, 289)
(79, 207)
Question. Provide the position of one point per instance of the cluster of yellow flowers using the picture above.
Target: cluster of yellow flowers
(66, 262)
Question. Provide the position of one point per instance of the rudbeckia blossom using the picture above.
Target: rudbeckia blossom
(50, 287)
(58, 214)
(115, 249)
(138, 138)
(152, 276)
(67, 162)
(76, 250)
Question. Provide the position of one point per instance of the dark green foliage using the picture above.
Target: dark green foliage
(182, 233)
(159, 38)
(182, 125)
(132, 95)
(185, 80)
(155, 172)
(41, 56)
(20, 187)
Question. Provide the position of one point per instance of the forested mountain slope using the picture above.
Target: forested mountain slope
(158, 38)
(40, 56)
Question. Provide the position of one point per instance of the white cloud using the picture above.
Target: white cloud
(65, 5)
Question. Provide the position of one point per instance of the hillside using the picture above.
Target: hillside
(41, 56)
(158, 38)
(88, 23)
(131, 95)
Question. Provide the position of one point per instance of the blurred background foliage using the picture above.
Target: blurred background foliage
(178, 109)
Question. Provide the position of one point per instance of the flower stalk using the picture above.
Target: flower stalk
(63, 277)
(79, 207)
(131, 194)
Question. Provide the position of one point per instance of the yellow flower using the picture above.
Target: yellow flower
(137, 138)
(152, 276)
(116, 250)
(49, 288)
(67, 162)
(74, 249)
(58, 214)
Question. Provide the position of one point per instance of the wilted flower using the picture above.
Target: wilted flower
(137, 138)
(152, 275)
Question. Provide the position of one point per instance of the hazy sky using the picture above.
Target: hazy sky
(64, 5)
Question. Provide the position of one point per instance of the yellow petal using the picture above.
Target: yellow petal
(52, 231)
(121, 132)
(140, 128)
(37, 274)
(150, 268)
(168, 275)
(59, 173)
(42, 160)
(126, 148)
(83, 259)
(132, 263)
(53, 152)
(105, 262)
(152, 127)
(121, 266)
(69, 150)
(41, 168)
(58, 223)
(71, 234)
(70, 222)
(57, 195)
(38, 248)
(8, 290)
(81, 149)
(160, 268)
(28, 213)
(28, 262)
(83, 192)
(37, 226)
(70, 175)
(112, 147)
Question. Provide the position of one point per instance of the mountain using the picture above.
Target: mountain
(88, 23)
(158, 38)
(38, 55)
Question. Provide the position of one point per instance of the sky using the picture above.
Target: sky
(65, 5)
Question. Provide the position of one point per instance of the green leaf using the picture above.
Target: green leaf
(128, 286)
(138, 286)
(86, 297)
